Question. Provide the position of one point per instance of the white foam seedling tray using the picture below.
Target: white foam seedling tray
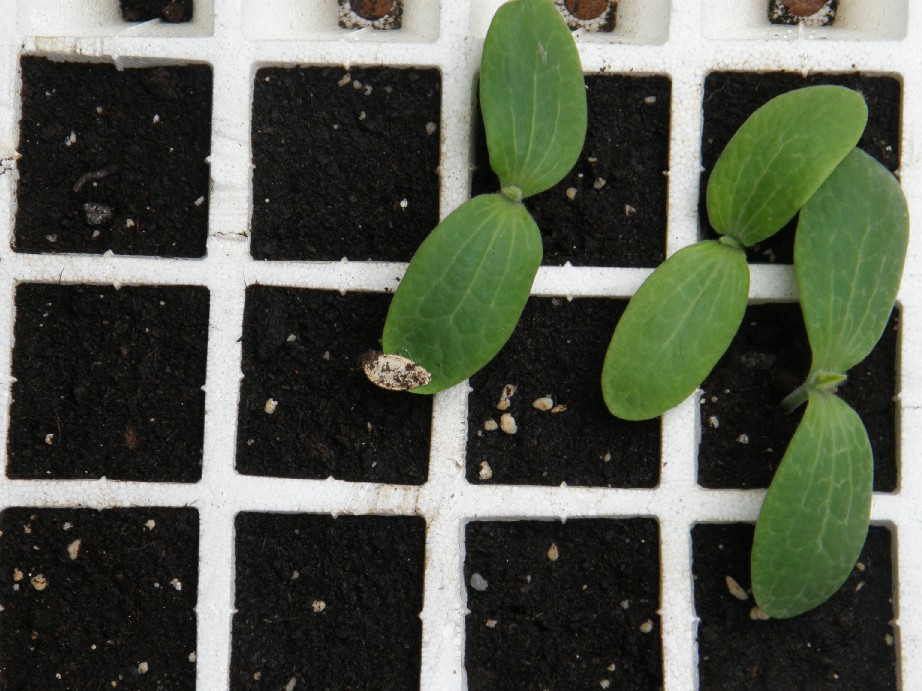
(682, 39)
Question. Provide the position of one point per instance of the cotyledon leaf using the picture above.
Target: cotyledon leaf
(464, 290)
(779, 157)
(848, 256)
(814, 519)
(675, 329)
(532, 95)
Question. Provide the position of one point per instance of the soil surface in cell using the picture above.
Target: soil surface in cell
(324, 603)
(563, 606)
(306, 408)
(731, 97)
(563, 430)
(167, 10)
(812, 12)
(610, 209)
(98, 599)
(108, 382)
(744, 432)
(846, 643)
(346, 162)
(113, 160)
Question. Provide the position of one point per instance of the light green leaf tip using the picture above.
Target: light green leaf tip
(532, 95)
(675, 329)
(814, 519)
(779, 157)
(464, 290)
(848, 256)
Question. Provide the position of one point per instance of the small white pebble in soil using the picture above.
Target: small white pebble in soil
(431, 127)
(888, 639)
(73, 549)
(490, 623)
(646, 627)
(129, 223)
(291, 338)
(71, 139)
(649, 100)
(504, 402)
(859, 586)
(507, 424)
(356, 84)
(757, 614)
(559, 408)
(192, 656)
(611, 667)
(176, 583)
(295, 575)
(571, 193)
(544, 403)
(743, 439)
(553, 553)
(599, 183)
(52, 238)
(478, 582)
(326, 355)
(143, 667)
(318, 606)
(486, 472)
(67, 525)
(49, 439)
(17, 575)
(199, 201)
(404, 203)
(604, 683)
(859, 566)
(625, 604)
(629, 210)
(491, 425)
(362, 115)
(151, 524)
(39, 582)
(257, 676)
(736, 590)
(346, 78)
(607, 457)
(156, 118)
(290, 686)
(713, 421)
(271, 406)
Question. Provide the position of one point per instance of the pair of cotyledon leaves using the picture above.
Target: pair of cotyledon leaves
(468, 282)
(797, 152)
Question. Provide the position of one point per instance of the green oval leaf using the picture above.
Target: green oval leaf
(848, 256)
(814, 519)
(464, 290)
(675, 329)
(532, 95)
(779, 157)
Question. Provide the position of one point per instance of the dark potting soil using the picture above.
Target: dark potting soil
(117, 609)
(794, 11)
(113, 160)
(108, 382)
(329, 603)
(744, 432)
(346, 162)
(563, 605)
(557, 351)
(845, 643)
(731, 97)
(167, 10)
(618, 214)
(300, 349)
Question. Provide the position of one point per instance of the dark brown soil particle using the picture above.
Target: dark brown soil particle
(98, 599)
(846, 643)
(586, 9)
(167, 10)
(563, 605)
(108, 382)
(329, 603)
(372, 9)
(300, 351)
(816, 12)
(113, 160)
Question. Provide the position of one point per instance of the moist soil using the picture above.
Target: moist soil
(346, 162)
(731, 97)
(563, 606)
(300, 349)
(108, 382)
(792, 12)
(113, 160)
(117, 609)
(556, 352)
(327, 603)
(167, 10)
(744, 432)
(845, 643)
(618, 214)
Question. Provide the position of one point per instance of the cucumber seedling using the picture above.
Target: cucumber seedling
(465, 288)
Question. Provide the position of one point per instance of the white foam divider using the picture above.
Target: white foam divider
(682, 40)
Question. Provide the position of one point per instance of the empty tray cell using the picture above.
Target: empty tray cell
(610, 209)
(98, 599)
(731, 97)
(563, 605)
(327, 602)
(555, 427)
(173, 11)
(346, 162)
(811, 13)
(588, 15)
(370, 14)
(306, 408)
(113, 160)
(108, 382)
(845, 643)
(744, 432)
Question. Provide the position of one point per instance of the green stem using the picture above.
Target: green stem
(795, 399)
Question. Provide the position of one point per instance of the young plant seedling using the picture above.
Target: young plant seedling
(848, 258)
(468, 282)
(684, 316)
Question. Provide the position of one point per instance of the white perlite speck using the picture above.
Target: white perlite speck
(647, 626)
(151, 524)
(318, 606)
(491, 425)
(271, 406)
(73, 549)
(143, 667)
(176, 583)
(39, 582)
(736, 590)
(504, 402)
(486, 472)
(544, 403)
(478, 582)
(291, 684)
(743, 439)
(757, 614)
(713, 421)
(552, 552)
(507, 424)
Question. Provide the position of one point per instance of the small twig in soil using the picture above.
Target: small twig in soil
(94, 175)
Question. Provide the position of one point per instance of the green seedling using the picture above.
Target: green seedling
(467, 284)
(848, 258)
(684, 316)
